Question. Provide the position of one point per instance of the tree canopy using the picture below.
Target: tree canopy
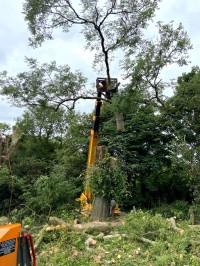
(46, 85)
(106, 25)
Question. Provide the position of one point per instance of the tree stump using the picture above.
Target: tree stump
(100, 209)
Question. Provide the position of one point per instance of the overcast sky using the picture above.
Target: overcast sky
(68, 49)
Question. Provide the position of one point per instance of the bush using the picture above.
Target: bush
(179, 209)
(50, 193)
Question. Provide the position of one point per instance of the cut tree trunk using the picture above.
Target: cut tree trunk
(173, 225)
(100, 209)
(120, 121)
(17, 135)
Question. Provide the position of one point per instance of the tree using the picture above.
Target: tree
(43, 122)
(183, 111)
(47, 173)
(183, 107)
(112, 25)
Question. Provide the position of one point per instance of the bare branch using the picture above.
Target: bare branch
(74, 100)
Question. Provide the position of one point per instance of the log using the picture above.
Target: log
(90, 242)
(57, 221)
(56, 227)
(96, 225)
(100, 226)
(146, 240)
(40, 236)
(114, 236)
(194, 226)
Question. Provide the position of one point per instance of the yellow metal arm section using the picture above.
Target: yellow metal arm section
(90, 162)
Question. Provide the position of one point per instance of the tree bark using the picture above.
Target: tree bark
(100, 209)
(120, 121)
(173, 225)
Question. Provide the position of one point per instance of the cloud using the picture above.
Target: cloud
(9, 114)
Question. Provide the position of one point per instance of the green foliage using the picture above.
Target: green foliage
(45, 85)
(170, 47)
(144, 148)
(178, 209)
(97, 19)
(51, 193)
(170, 247)
(49, 169)
(10, 189)
(72, 254)
(141, 223)
(109, 179)
(4, 127)
(183, 112)
(43, 122)
(183, 107)
(33, 157)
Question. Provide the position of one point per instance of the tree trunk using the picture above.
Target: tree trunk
(100, 209)
(120, 121)
(17, 135)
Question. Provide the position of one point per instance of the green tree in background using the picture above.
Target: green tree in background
(184, 112)
(145, 149)
(4, 127)
(184, 107)
(47, 173)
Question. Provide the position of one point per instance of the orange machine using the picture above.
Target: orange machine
(105, 89)
(16, 248)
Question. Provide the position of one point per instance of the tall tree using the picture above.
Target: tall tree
(43, 122)
(183, 112)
